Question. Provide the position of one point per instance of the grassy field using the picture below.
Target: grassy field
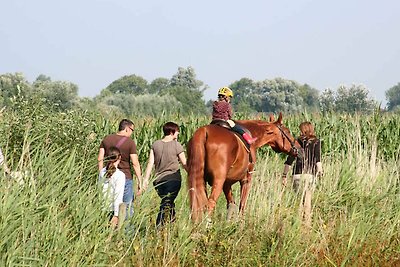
(54, 218)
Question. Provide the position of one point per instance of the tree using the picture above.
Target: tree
(43, 78)
(279, 95)
(147, 104)
(186, 78)
(354, 99)
(13, 87)
(191, 100)
(158, 85)
(393, 97)
(347, 99)
(244, 98)
(59, 94)
(185, 87)
(310, 97)
(327, 100)
(183, 90)
(131, 84)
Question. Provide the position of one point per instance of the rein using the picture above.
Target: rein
(292, 143)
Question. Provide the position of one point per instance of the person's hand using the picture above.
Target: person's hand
(7, 170)
(320, 171)
(114, 222)
(139, 192)
(145, 185)
(284, 180)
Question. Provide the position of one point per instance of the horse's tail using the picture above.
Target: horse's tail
(196, 163)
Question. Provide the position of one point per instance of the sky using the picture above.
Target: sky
(94, 42)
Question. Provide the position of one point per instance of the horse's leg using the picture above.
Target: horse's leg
(228, 193)
(244, 193)
(231, 206)
(216, 190)
(245, 188)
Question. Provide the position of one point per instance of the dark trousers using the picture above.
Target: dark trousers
(238, 129)
(168, 191)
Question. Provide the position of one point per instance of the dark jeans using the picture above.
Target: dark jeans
(168, 191)
(239, 129)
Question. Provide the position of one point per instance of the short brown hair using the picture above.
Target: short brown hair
(124, 123)
(170, 128)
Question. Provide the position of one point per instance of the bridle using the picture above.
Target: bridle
(294, 149)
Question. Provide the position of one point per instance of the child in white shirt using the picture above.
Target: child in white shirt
(113, 182)
(3, 162)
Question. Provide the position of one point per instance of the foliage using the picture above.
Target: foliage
(144, 105)
(191, 100)
(158, 85)
(186, 78)
(310, 97)
(185, 87)
(244, 99)
(55, 217)
(273, 95)
(393, 97)
(13, 86)
(133, 95)
(128, 84)
(327, 100)
(59, 94)
(348, 100)
(279, 94)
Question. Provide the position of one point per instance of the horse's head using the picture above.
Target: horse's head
(279, 138)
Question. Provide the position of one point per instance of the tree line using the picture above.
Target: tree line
(183, 93)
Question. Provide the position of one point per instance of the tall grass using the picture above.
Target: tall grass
(55, 217)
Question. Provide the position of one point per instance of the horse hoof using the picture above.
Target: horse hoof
(232, 211)
(208, 223)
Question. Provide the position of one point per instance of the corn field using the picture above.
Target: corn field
(52, 214)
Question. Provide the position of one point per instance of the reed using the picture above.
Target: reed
(54, 217)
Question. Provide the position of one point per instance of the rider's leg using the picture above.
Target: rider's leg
(239, 129)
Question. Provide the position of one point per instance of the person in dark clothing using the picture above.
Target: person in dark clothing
(306, 171)
(129, 156)
(310, 163)
(165, 155)
(222, 110)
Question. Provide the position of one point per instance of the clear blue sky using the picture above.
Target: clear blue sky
(92, 43)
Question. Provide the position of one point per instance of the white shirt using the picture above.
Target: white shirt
(113, 189)
(1, 157)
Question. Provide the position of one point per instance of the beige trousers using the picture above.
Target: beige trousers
(305, 184)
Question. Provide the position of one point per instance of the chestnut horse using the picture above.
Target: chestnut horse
(216, 156)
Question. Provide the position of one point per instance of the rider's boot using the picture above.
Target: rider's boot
(249, 139)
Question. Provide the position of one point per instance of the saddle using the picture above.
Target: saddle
(226, 125)
(221, 123)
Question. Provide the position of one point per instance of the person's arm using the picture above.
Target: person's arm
(286, 169)
(148, 170)
(182, 159)
(100, 158)
(317, 151)
(320, 171)
(136, 167)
